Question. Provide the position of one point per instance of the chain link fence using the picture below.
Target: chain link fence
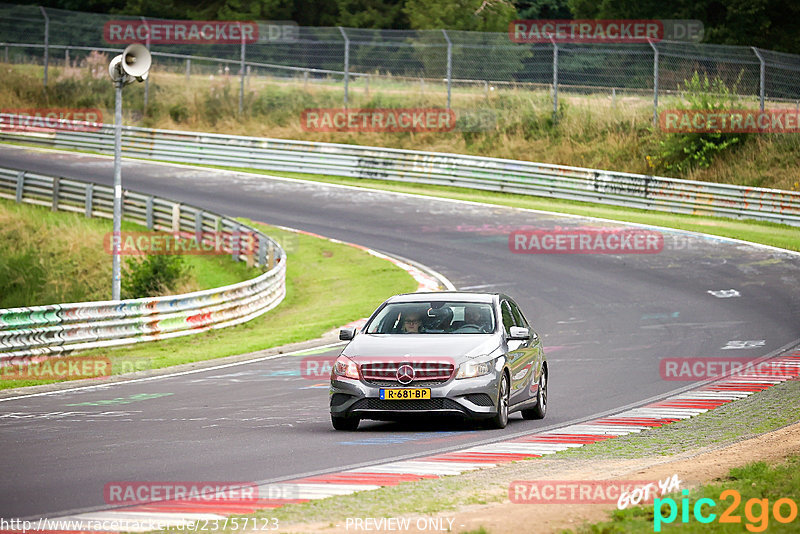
(434, 62)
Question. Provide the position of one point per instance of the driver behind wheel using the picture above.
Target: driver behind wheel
(474, 317)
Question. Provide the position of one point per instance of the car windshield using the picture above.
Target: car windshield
(434, 317)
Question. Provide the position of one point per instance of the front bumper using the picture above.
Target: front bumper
(469, 398)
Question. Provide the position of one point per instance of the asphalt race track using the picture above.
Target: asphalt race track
(606, 321)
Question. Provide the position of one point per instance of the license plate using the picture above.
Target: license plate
(405, 394)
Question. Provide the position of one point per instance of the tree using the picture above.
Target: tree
(543, 9)
(379, 14)
(472, 15)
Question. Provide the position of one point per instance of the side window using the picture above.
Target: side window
(519, 319)
(508, 318)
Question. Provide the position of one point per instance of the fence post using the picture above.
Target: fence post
(762, 79)
(655, 82)
(555, 79)
(188, 68)
(262, 250)
(88, 203)
(149, 212)
(20, 185)
(241, 72)
(270, 255)
(198, 226)
(449, 66)
(176, 218)
(46, 42)
(236, 242)
(346, 64)
(147, 79)
(56, 192)
(66, 57)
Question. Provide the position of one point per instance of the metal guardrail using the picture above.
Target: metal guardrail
(473, 172)
(31, 333)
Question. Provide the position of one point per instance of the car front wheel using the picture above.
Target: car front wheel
(500, 420)
(539, 411)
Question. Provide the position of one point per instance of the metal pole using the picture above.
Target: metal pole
(46, 42)
(147, 80)
(555, 79)
(449, 65)
(66, 57)
(762, 79)
(116, 236)
(188, 68)
(655, 82)
(346, 64)
(241, 72)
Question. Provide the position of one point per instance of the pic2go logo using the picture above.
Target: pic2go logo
(756, 511)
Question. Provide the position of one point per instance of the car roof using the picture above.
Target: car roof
(427, 296)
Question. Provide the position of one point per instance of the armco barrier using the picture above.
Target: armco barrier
(491, 174)
(28, 334)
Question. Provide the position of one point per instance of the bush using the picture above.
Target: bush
(152, 276)
(683, 152)
(179, 112)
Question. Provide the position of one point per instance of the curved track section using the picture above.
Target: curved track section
(607, 320)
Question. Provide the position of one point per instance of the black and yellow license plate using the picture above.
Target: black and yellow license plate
(405, 394)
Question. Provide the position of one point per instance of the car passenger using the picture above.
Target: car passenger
(411, 323)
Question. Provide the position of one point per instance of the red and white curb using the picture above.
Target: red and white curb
(663, 412)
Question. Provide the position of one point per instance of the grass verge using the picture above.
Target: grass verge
(592, 130)
(51, 257)
(327, 285)
(758, 486)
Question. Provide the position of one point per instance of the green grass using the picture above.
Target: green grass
(777, 235)
(327, 285)
(592, 131)
(755, 480)
(51, 257)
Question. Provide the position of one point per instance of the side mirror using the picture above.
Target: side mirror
(346, 334)
(518, 332)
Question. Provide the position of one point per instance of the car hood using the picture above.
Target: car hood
(459, 347)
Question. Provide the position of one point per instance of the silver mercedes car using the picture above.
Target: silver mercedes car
(471, 355)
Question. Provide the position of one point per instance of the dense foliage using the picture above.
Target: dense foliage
(764, 23)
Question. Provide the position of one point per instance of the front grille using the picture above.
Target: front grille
(407, 405)
(396, 384)
(425, 373)
(481, 399)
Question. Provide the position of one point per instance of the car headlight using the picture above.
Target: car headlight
(471, 369)
(344, 366)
